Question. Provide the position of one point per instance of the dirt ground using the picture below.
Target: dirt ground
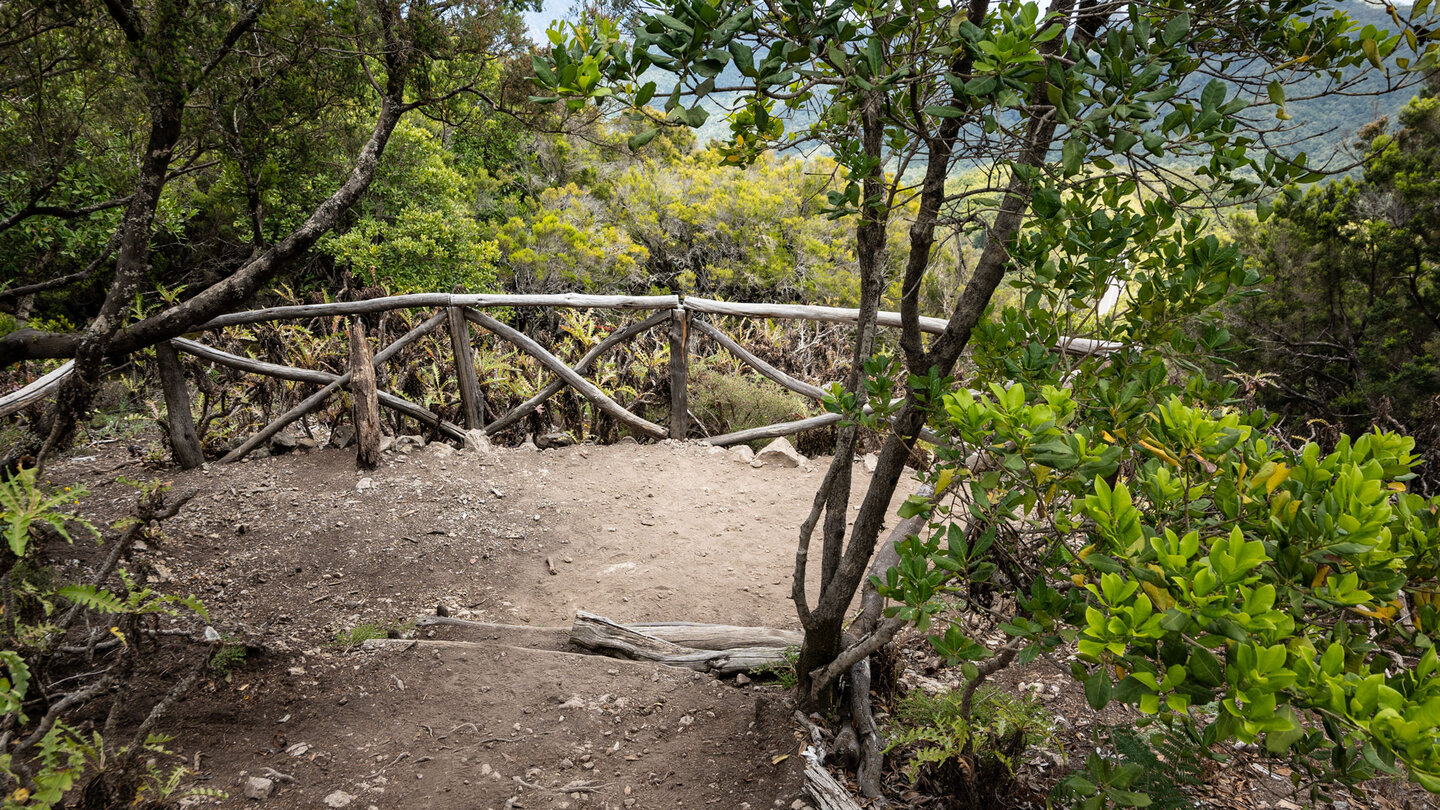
(300, 556)
(297, 551)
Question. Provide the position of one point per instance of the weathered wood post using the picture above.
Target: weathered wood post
(366, 400)
(679, 373)
(470, 400)
(181, 421)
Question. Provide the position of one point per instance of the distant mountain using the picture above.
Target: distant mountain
(1323, 127)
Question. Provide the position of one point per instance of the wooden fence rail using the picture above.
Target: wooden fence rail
(459, 311)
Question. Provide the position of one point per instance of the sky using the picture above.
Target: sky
(538, 21)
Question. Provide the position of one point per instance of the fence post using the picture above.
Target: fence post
(679, 373)
(470, 399)
(183, 438)
(365, 398)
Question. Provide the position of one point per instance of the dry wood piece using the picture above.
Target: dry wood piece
(183, 438)
(822, 788)
(428, 300)
(555, 364)
(774, 431)
(599, 634)
(16, 401)
(719, 636)
(679, 373)
(470, 399)
(934, 326)
(365, 400)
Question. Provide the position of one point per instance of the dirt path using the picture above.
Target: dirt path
(300, 550)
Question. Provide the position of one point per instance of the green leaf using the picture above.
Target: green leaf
(1097, 689)
(1277, 93)
(646, 93)
(673, 24)
(1372, 51)
(1205, 668)
(1212, 96)
(944, 112)
(542, 70)
(1175, 29)
(639, 139)
(744, 57)
(1071, 154)
(101, 601)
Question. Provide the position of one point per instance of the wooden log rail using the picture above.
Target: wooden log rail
(460, 310)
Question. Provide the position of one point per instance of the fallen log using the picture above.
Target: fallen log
(599, 634)
(719, 636)
(822, 788)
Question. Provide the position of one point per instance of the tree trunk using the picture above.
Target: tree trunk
(366, 402)
(840, 587)
(183, 438)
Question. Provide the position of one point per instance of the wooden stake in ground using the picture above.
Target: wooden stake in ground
(178, 417)
(367, 402)
(679, 373)
(470, 397)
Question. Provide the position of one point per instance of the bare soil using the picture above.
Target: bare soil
(291, 554)
(300, 556)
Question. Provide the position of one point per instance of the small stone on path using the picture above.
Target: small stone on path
(338, 799)
(258, 788)
(778, 453)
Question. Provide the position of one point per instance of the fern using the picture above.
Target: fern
(93, 598)
(1170, 761)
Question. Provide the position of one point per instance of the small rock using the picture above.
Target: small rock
(299, 749)
(741, 679)
(282, 443)
(441, 450)
(552, 440)
(259, 788)
(871, 461)
(339, 799)
(297, 671)
(779, 453)
(364, 484)
(409, 442)
(743, 453)
(306, 443)
(342, 436)
(477, 441)
(387, 443)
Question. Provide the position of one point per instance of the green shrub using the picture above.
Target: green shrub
(726, 401)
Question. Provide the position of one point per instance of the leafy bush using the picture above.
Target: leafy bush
(725, 400)
(418, 229)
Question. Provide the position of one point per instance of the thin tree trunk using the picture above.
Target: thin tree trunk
(183, 438)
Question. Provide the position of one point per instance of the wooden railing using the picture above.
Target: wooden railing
(457, 311)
